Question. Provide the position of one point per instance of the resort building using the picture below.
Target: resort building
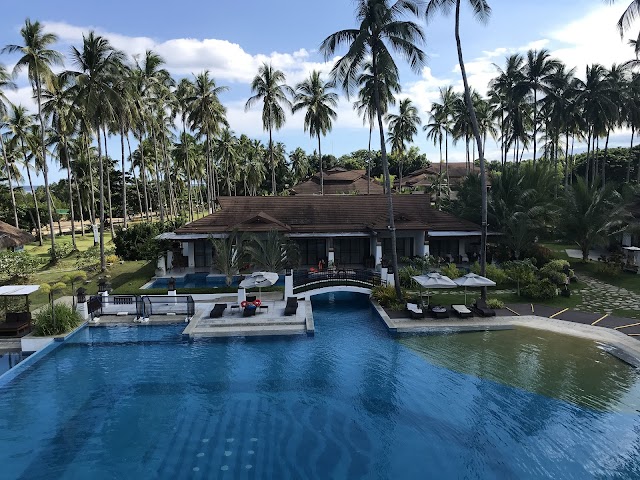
(423, 178)
(348, 230)
(12, 238)
(339, 181)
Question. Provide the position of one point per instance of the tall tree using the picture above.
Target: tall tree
(37, 57)
(6, 82)
(269, 87)
(315, 96)
(382, 28)
(403, 126)
(482, 11)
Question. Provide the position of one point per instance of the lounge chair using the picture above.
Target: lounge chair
(217, 311)
(438, 311)
(291, 307)
(462, 311)
(481, 308)
(249, 310)
(414, 311)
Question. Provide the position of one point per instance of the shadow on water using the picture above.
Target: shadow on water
(568, 368)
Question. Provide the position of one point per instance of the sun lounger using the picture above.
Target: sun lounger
(217, 311)
(462, 311)
(438, 311)
(291, 307)
(414, 311)
(481, 308)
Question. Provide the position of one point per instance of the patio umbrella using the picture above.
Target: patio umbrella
(433, 280)
(472, 280)
(260, 279)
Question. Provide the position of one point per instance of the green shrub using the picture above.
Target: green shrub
(113, 258)
(540, 254)
(138, 242)
(405, 274)
(493, 272)
(62, 250)
(540, 290)
(608, 269)
(557, 271)
(64, 320)
(451, 271)
(385, 295)
(495, 303)
(17, 265)
(520, 272)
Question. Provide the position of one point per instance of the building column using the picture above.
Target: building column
(169, 259)
(419, 244)
(81, 304)
(378, 253)
(331, 260)
(191, 254)
(288, 284)
(427, 250)
(161, 267)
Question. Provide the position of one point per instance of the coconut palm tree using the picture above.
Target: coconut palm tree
(184, 93)
(6, 83)
(269, 87)
(366, 105)
(37, 58)
(98, 63)
(226, 150)
(628, 17)
(403, 127)
(482, 11)
(316, 97)
(20, 123)
(299, 164)
(382, 29)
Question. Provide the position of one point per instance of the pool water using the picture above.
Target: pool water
(351, 402)
(202, 280)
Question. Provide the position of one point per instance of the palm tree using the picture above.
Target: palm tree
(629, 16)
(269, 87)
(299, 164)
(403, 127)
(538, 69)
(366, 105)
(382, 29)
(37, 57)
(315, 96)
(57, 105)
(436, 131)
(184, 93)
(20, 123)
(482, 11)
(226, 150)
(98, 63)
(6, 83)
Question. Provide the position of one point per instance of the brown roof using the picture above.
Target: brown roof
(11, 236)
(327, 213)
(424, 176)
(338, 181)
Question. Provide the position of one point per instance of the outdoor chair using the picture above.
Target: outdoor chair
(291, 307)
(217, 311)
(438, 311)
(251, 298)
(16, 324)
(462, 311)
(249, 311)
(481, 308)
(414, 311)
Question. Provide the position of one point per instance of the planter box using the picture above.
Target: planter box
(30, 343)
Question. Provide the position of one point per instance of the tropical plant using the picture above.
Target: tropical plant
(521, 272)
(382, 30)
(56, 321)
(269, 87)
(17, 265)
(402, 128)
(273, 252)
(228, 254)
(6, 83)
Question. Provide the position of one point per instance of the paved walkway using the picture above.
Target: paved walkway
(598, 296)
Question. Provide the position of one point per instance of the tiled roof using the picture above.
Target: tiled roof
(327, 213)
(424, 176)
(11, 236)
(338, 181)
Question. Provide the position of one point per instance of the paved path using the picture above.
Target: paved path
(598, 296)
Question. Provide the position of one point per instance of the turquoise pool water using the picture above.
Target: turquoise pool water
(202, 280)
(350, 402)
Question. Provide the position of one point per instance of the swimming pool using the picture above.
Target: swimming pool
(201, 280)
(350, 402)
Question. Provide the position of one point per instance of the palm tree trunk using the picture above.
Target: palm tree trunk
(13, 195)
(92, 210)
(566, 160)
(45, 168)
(143, 176)
(208, 171)
(186, 154)
(273, 167)
(535, 123)
(158, 183)
(124, 182)
(71, 209)
(106, 154)
(80, 207)
(387, 181)
(369, 160)
(633, 132)
(103, 265)
(604, 160)
(446, 155)
(33, 192)
(321, 173)
(476, 133)
(586, 167)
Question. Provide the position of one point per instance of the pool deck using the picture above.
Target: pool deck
(267, 322)
(617, 343)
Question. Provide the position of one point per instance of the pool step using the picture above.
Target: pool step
(249, 330)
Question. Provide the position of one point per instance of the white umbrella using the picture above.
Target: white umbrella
(260, 279)
(433, 280)
(473, 281)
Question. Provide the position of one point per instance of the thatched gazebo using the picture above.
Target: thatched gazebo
(11, 237)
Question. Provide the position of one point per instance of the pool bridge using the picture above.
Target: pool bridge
(308, 283)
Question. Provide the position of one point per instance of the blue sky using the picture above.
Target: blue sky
(233, 38)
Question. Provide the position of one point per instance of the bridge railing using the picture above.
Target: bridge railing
(306, 280)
